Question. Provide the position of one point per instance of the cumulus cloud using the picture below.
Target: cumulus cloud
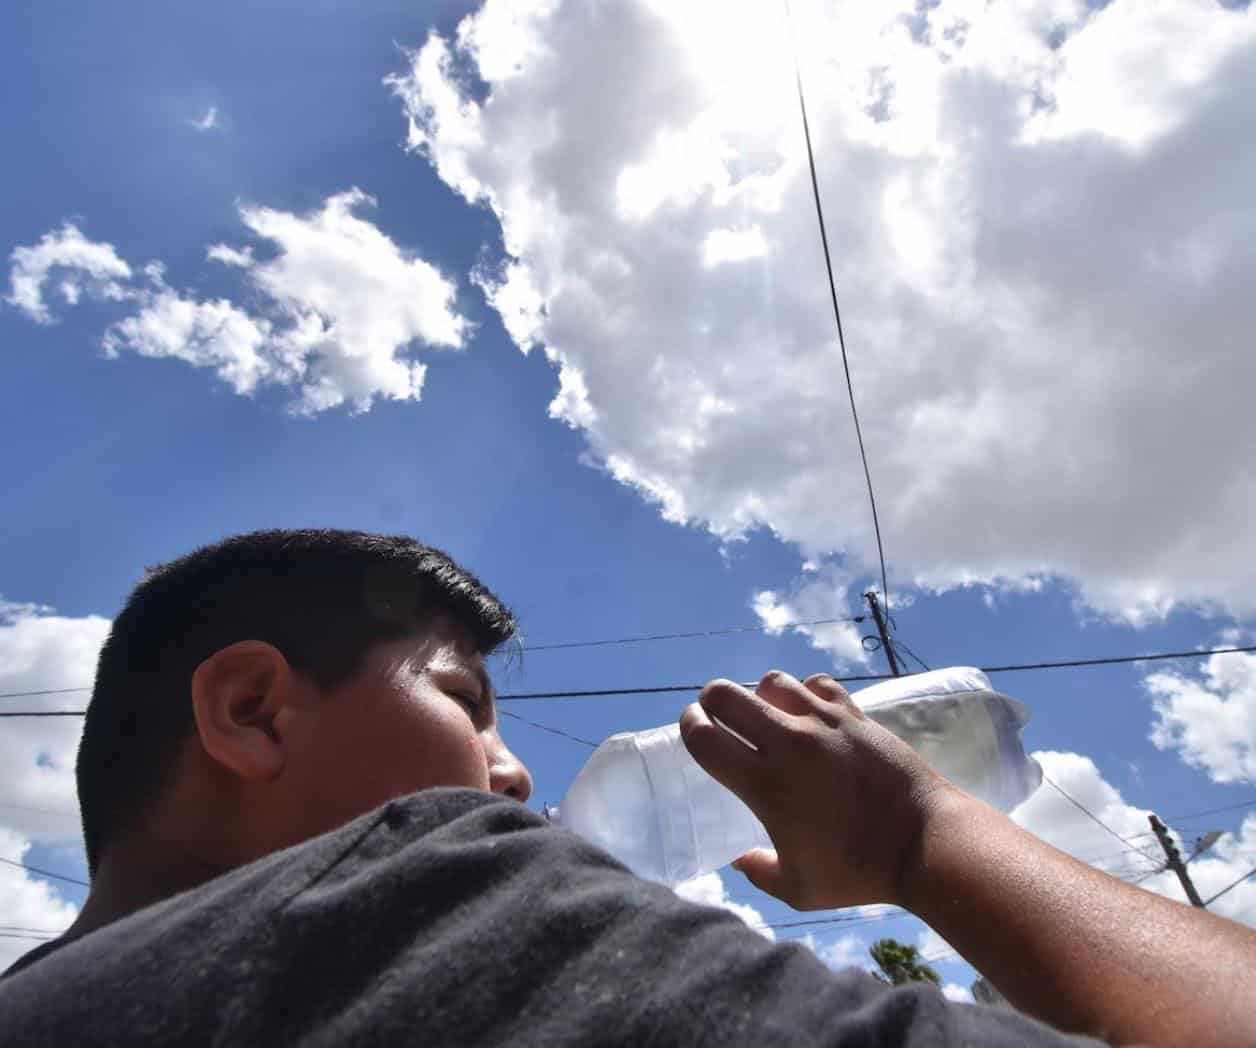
(334, 314)
(1037, 271)
(821, 593)
(80, 266)
(43, 651)
(1209, 719)
(1058, 821)
(30, 908)
(956, 992)
(213, 334)
(846, 951)
(39, 651)
(709, 890)
(1137, 857)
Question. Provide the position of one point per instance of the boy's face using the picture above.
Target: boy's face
(421, 712)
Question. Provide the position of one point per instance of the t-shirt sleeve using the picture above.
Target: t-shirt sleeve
(474, 921)
(449, 918)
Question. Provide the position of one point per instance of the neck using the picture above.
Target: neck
(134, 875)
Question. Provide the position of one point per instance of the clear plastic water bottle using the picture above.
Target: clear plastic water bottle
(647, 802)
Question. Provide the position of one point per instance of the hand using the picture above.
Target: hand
(844, 801)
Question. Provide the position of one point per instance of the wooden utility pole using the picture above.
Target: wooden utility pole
(1174, 860)
(879, 619)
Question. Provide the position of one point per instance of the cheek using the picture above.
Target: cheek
(441, 748)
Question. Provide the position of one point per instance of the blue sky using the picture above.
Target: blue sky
(1033, 511)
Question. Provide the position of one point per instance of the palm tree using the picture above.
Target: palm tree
(900, 963)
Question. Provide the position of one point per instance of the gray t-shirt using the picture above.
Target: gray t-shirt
(456, 917)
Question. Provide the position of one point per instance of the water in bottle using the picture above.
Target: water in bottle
(647, 802)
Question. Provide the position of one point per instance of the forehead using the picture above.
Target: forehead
(441, 642)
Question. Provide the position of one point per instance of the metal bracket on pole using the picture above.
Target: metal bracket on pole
(1174, 861)
(879, 619)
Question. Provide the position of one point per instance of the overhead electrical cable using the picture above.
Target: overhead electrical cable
(697, 635)
(837, 313)
(1078, 804)
(549, 728)
(1210, 901)
(44, 873)
(663, 689)
(853, 920)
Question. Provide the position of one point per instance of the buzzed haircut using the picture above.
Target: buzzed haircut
(322, 597)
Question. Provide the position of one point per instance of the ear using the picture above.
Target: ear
(239, 695)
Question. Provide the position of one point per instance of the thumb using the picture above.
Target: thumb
(762, 868)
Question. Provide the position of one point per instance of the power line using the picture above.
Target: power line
(566, 645)
(1113, 660)
(40, 811)
(837, 313)
(551, 730)
(686, 636)
(23, 935)
(44, 873)
(1210, 811)
(853, 920)
(896, 643)
(45, 691)
(1172, 820)
(663, 689)
(1078, 804)
(1209, 902)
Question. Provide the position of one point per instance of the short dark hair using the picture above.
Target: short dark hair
(322, 597)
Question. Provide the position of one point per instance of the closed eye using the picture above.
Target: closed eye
(473, 703)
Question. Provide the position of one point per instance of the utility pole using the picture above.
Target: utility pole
(879, 619)
(1174, 861)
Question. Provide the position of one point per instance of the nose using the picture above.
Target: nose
(508, 775)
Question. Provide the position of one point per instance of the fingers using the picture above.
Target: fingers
(818, 694)
(762, 868)
(832, 693)
(755, 720)
(726, 758)
(786, 694)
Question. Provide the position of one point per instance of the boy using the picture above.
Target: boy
(303, 826)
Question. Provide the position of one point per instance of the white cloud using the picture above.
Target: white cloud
(1057, 820)
(1061, 823)
(956, 992)
(1211, 719)
(207, 121)
(339, 306)
(933, 949)
(709, 890)
(846, 951)
(1054, 818)
(355, 302)
(733, 245)
(230, 256)
(205, 334)
(82, 265)
(26, 903)
(43, 651)
(822, 593)
(1024, 237)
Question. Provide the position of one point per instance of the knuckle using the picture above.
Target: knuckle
(774, 678)
(719, 691)
(826, 683)
(696, 731)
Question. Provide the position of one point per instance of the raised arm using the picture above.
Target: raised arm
(857, 817)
